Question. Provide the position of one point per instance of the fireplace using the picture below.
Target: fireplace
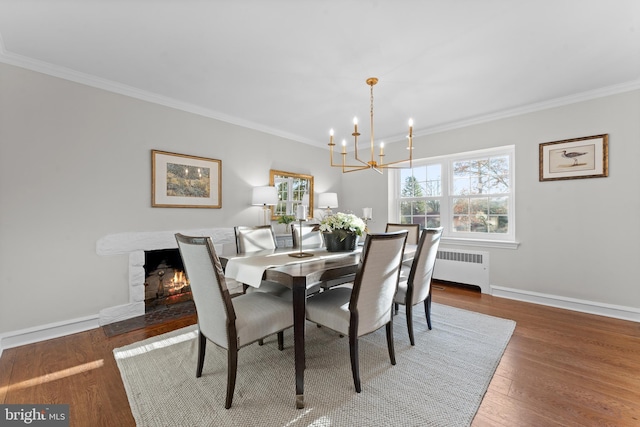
(165, 281)
(134, 245)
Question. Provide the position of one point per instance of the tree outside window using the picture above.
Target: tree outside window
(470, 195)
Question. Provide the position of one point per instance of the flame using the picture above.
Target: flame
(179, 279)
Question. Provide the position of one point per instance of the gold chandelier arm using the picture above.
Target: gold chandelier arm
(371, 164)
(343, 165)
(359, 168)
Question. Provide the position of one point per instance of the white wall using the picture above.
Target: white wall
(579, 239)
(75, 166)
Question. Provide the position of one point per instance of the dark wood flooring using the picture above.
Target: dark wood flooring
(561, 368)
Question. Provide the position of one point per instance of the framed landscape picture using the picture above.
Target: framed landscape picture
(183, 181)
(586, 157)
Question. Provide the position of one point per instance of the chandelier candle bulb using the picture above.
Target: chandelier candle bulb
(344, 146)
(363, 164)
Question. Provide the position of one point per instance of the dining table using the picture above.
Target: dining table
(299, 273)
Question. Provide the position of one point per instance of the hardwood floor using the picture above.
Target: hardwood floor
(561, 368)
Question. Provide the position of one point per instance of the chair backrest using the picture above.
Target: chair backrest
(376, 280)
(419, 280)
(311, 236)
(252, 239)
(216, 316)
(413, 229)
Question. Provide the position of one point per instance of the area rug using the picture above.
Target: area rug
(439, 382)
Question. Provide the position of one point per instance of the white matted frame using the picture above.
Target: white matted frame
(586, 157)
(183, 181)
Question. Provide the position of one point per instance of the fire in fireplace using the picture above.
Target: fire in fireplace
(165, 281)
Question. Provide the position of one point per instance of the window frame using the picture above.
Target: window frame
(505, 240)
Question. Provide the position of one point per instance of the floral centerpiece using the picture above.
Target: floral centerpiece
(341, 231)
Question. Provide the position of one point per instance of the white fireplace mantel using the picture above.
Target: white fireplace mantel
(135, 244)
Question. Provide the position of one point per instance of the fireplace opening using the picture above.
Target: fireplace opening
(165, 280)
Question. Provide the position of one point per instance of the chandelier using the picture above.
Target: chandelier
(378, 165)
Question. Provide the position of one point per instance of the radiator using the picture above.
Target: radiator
(466, 267)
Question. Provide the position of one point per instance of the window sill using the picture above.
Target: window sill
(498, 244)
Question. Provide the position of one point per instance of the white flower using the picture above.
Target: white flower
(343, 223)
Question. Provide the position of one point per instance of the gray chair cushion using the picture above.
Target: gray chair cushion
(401, 295)
(331, 309)
(260, 314)
(272, 288)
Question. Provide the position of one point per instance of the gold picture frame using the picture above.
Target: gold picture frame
(292, 189)
(184, 181)
(586, 157)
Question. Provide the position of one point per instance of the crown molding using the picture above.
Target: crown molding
(122, 89)
(531, 108)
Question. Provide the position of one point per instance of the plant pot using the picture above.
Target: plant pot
(340, 242)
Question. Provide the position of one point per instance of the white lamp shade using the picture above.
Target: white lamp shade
(266, 195)
(328, 200)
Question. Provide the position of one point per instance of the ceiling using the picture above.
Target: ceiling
(296, 68)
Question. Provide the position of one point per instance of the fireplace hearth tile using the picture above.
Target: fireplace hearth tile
(154, 316)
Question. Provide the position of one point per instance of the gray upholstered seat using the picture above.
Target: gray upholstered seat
(258, 238)
(369, 305)
(416, 288)
(228, 323)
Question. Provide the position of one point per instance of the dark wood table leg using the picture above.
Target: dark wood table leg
(299, 319)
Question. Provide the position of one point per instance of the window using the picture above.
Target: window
(471, 195)
(293, 189)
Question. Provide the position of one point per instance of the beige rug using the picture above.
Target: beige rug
(439, 382)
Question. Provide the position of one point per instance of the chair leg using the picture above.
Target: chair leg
(397, 307)
(427, 310)
(232, 369)
(392, 351)
(202, 347)
(409, 309)
(260, 342)
(281, 340)
(355, 367)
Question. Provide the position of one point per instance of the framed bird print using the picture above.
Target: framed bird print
(586, 157)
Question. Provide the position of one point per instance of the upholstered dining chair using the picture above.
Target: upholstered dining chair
(412, 238)
(258, 238)
(254, 238)
(369, 305)
(312, 238)
(310, 235)
(416, 288)
(412, 229)
(228, 323)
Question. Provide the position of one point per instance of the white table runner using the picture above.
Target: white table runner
(250, 269)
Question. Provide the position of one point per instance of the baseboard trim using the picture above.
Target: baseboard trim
(73, 326)
(584, 306)
(47, 332)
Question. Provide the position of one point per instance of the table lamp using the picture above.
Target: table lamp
(265, 196)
